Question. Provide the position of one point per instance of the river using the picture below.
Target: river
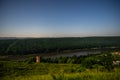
(81, 53)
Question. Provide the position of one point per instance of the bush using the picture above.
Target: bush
(57, 76)
(80, 69)
(106, 60)
(99, 67)
(88, 62)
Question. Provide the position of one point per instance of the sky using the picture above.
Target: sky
(59, 18)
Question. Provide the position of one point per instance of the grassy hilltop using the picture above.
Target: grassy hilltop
(91, 67)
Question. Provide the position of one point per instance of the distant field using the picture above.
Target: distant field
(58, 45)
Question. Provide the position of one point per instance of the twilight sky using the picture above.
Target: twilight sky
(59, 18)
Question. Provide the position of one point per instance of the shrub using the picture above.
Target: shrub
(80, 69)
(88, 62)
(107, 61)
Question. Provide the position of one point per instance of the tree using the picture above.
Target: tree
(107, 61)
(88, 62)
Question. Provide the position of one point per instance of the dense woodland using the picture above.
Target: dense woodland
(47, 45)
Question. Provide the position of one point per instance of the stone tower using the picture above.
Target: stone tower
(37, 59)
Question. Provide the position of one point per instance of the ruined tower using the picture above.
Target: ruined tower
(37, 59)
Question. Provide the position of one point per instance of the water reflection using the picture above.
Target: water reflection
(81, 53)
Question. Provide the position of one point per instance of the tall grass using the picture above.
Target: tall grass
(88, 76)
(46, 71)
(72, 76)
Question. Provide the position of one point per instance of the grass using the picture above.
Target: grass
(88, 75)
(47, 71)
(22, 70)
(32, 77)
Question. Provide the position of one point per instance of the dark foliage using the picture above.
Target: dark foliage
(47, 45)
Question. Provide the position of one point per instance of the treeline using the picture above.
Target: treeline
(103, 60)
(47, 45)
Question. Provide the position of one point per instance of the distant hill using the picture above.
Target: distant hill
(4, 38)
(46, 45)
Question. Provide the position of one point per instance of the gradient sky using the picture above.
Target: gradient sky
(59, 18)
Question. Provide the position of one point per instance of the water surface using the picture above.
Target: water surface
(81, 53)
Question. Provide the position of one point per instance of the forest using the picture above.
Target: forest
(58, 45)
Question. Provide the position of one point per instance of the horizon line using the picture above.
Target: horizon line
(59, 37)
